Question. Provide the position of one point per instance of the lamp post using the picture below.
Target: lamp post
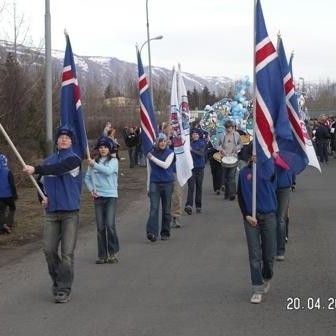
(149, 61)
(149, 52)
(48, 79)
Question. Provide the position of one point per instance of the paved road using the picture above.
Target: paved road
(196, 284)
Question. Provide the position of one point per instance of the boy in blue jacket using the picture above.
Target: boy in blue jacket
(260, 230)
(197, 148)
(61, 177)
(8, 196)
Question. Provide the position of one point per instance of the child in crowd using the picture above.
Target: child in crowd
(102, 181)
(197, 148)
(8, 196)
(260, 230)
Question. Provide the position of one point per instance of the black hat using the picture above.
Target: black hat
(63, 130)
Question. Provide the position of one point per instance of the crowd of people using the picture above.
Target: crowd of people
(60, 177)
(322, 133)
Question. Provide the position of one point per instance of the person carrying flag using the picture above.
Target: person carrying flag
(160, 187)
(260, 230)
(61, 177)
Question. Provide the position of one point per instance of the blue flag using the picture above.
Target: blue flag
(71, 106)
(271, 118)
(149, 130)
(293, 151)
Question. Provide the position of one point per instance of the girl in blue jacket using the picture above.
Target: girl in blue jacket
(102, 181)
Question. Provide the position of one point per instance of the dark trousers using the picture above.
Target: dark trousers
(217, 173)
(7, 218)
(132, 154)
(322, 147)
(195, 180)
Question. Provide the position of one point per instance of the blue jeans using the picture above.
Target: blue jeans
(61, 227)
(283, 203)
(261, 244)
(195, 180)
(105, 210)
(164, 192)
(132, 154)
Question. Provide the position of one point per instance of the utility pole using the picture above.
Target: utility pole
(48, 81)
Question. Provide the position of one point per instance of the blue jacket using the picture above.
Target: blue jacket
(284, 177)
(62, 180)
(197, 149)
(7, 185)
(266, 200)
(103, 177)
(159, 174)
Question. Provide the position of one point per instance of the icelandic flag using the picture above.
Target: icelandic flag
(271, 121)
(149, 129)
(71, 106)
(292, 151)
(181, 141)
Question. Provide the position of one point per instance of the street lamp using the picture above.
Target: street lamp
(151, 39)
(149, 62)
(149, 53)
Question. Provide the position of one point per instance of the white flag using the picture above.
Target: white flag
(181, 130)
(310, 150)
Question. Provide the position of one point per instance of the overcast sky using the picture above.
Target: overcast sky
(208, 37)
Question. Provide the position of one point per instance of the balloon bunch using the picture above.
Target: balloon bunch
(237, 109)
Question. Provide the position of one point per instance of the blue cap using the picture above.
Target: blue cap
(65, 131)
(107, 142)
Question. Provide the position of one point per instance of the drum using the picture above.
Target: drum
(229, 161)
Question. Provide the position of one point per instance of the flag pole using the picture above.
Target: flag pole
(254, 164)
(88, 154)
(22, 161)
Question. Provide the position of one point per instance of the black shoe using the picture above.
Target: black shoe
(217, 192)
(188, 209)
(232, 198)
(151, 237)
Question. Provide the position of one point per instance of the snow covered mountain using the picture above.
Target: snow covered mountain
(104, 70)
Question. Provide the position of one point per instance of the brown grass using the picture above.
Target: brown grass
(29, 216)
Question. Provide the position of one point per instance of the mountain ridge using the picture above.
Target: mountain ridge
(111, 69)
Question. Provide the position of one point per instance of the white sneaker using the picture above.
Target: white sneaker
(267, 286)
(256, 298)
(280, 258)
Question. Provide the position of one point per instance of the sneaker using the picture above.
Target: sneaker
(232, 197)
(217, 192)
(100, 261)
(256, 298)
(198, 210)
(62, 297)
(164, 237)
(151, 237)
(188, 209)
(280, 258)
(176, 223)
(267, 286)
(112, 259)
